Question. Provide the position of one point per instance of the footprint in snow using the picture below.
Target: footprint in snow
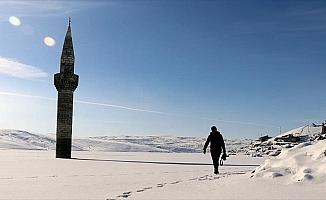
(124, 195)
(159, 185)
(175, 182)
(31, 177)
(217, 176)
(203, 178)
(6, 178)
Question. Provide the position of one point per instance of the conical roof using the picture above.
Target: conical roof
(67, 55)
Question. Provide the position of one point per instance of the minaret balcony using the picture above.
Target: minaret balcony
(66, 81)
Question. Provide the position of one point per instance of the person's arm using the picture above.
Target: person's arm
(206, 144)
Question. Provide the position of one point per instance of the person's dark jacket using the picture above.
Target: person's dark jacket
(217, 142)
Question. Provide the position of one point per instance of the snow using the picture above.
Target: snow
(150, 168)
(304, 162)
(302, 131)
(16, 139)
(289, 139)
(38, 175)
(35, 174)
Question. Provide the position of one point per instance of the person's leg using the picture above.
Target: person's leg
(215, 158)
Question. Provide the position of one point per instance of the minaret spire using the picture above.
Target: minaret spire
(67, 56)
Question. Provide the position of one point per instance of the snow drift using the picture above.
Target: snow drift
(304, 162)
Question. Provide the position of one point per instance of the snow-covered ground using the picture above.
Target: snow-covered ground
(34, 174)
(101, 175)
(152, 167)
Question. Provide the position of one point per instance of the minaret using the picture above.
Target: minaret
(65, 82)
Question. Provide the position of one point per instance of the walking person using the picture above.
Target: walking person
(216, 146)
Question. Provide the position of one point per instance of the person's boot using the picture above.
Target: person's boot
(216, 171)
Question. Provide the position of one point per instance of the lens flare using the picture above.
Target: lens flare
(49, 41)
(15, 21)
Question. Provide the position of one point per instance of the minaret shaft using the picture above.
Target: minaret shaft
(64, 124)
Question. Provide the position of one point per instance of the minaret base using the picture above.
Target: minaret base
(63, 148)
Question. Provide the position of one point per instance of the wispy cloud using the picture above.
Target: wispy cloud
(82, 102)
(11, 67)
(46, 7)
(26, 96)
(120, 107)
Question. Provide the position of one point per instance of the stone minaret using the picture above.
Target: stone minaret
(65, 82)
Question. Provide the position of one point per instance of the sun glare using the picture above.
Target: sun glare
(49, 41)
(15, 21)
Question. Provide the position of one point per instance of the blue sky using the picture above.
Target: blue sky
(167, 67)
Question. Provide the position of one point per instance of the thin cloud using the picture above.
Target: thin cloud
(11, 67)
(138, 109)
(26, 96)
(82, 102)
(120, 107)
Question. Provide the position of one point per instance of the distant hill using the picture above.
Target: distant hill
(309, 131)
(17, 139)
(289, 139)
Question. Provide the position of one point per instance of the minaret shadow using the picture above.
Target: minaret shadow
(66, 83)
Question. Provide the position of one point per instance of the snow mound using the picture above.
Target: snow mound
(304, 162)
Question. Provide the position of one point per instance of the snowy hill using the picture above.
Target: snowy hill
(309, 131)
(289, 139)
(16, 139)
